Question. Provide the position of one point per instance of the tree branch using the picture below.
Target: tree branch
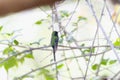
(57, 63)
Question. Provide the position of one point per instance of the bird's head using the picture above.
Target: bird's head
(55, 33)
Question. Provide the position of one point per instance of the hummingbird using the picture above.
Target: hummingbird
(54, 41)
(54, 45)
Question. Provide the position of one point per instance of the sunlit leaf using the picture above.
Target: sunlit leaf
(81, 18)
(95, 67)
(38, 22)
(10, 63)
(64, 14)
(86, 51)
(60, 66)
(22, 59)
(83, 44)
(93, 50)
(117, 42)
(112, 62)
(10, 34)
(49, 77)
(8, 50)
(104, 61)
(16, 42)
(46, 74)
(44, 71)
(86, 59)
(1, 27)
(62, 36)
(89, 50)
(29, 56)
(1, 63)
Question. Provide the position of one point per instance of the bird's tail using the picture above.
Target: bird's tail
(54, 55)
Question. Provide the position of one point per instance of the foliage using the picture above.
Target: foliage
(15, 53)
(117, 42)
(47, 74)
(39, 22)
(95, 66)
(104, 62)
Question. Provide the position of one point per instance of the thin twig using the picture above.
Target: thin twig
(113, 78)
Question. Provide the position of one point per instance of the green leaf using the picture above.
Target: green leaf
(60, 66)
(95, 67)
(81, 18)
(112, 62)
(39, 22)
(117, 42)
(62, 36)
(64, 14)
(29, 56)
(8, 50)
(1, 27)
(89, 50)
(1, 63)
(44, 71)
(49, 77)
(10, 34)
(10, 63)
(104, 61)
(16, 42)
(86, 51)
(93, 50)
(86, 59)
(22, 59)
(83, 44)
(1, 59)
(46, 74)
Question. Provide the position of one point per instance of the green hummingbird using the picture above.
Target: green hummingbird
(54, 45)
(54, 41)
